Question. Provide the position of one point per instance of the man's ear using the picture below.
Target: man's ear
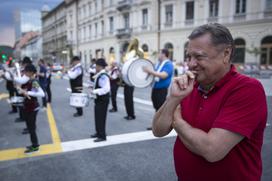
(227, 54)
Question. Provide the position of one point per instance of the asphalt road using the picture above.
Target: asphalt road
(145, 160)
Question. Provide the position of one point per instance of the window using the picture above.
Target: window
(84, 33)
(268, 5)
(190, 10)
(111, 2)
(102, 27)
(95, 5)
(90, 31)
(126, 20)
(239, 52)
(95, 30)
(145, 17)
(102, 4)
(266, 50)
(111, 25)
(240, 7)
(169, 15)
(213, 8)
(90, 8)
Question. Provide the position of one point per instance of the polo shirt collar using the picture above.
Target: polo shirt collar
(220, 83)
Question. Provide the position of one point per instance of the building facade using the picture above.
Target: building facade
(33, 48)
(103, 28)
(54, 34)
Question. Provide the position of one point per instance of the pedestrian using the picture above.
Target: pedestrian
(101, 91)
(43, 80)
(163, 74)
(31, 90)
(222, 114)
(48, 86)
(75, 74)
(114, 84)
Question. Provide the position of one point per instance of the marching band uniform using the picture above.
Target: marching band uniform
(48, 87)
(76, 78)
(92, 70)
(102, 96)
(32, 91)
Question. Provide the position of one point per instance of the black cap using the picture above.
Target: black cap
(75, 58)
(101, 62)
(26, 60)
(30, 68)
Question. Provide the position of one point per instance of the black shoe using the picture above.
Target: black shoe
(77, 115)
(17, 120)
(100, 139)
(12, 112)
(113, 110)
(149, 128)
(129, 117)
(94, 135)
(25, 131)
(31, 149)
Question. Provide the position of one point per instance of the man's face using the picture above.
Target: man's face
(161, 56)
(29, 74)
(206, 61)
(98, 68)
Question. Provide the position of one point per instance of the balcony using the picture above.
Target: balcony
(123, 33)
(124, 5)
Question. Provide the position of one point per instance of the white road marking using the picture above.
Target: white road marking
(111, 140)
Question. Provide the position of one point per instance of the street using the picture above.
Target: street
(68, 153)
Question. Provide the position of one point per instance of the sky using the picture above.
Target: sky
(7, 16)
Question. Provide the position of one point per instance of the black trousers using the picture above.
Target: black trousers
(48, 91)
(100, 114)
(30, 118)
(129, 104)
(158, 96)
(21, 113)
(114, 88)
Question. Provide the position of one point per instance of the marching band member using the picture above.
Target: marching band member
(43, 80)
(76, 77)
(92, 70)
(102, 94)
(133, 52)
(48, 87)
(31, 90)
(114, 84)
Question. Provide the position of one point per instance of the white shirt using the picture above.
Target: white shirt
(21, 80)
(75, 71)
(114, 73)
(104, 83)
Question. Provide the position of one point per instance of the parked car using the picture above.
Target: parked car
(57, 67)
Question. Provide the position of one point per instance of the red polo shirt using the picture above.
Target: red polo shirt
(236, 103)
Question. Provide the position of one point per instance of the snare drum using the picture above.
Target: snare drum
(17, 100)
(133, 74)
(79, 100)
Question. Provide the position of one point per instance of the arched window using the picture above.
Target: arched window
(239, 52)
(185, 48)
(170, 48)
(111, 50)
(266, 47)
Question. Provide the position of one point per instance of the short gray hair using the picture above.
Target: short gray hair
(220, 35)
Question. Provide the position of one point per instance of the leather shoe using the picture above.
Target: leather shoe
(17, 120)
(25, 131)
(149, 128)
(129, 117)
(94, 135)
(113, 110)
(12, 112)
(77, 115)
(100, 139)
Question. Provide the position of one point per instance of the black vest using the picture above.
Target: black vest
(32, 103)
(101, 97)
(77, 82)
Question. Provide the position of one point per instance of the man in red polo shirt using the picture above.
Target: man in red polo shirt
(218, 114)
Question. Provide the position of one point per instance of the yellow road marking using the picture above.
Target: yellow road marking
(4, 96)
(17, 153)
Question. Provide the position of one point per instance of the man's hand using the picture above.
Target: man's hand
(147, 70)
(182, 86)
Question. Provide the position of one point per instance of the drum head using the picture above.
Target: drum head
(137, 77)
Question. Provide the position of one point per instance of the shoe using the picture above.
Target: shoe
(130, 117)
(149, 128)
(17, 120)
(25, 131)
(113, 110)
(94, 135)
(100, 139)
(77, 115)
(31, 149)
(12, 112)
